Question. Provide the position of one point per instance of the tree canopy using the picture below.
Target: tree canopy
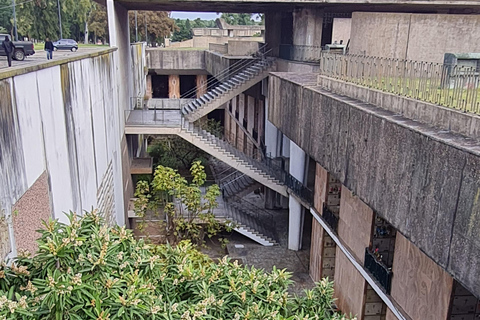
(87, 270)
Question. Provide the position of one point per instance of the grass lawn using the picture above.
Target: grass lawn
(39, 46)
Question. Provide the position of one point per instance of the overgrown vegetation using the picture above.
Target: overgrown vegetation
(187, 205)
(86, 270)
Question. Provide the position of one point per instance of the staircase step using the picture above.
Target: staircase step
(210, 95)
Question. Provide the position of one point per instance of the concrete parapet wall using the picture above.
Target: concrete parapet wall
(169, 61)
(217, 47)
(61, 125)
(467, 124)
(421, 37)
(422, 180)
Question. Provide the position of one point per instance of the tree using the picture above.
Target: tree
(6, 16)
(183, 32)
(238, 18)
(87, 270)
(98, 22)
(189, 210)
(159, 25)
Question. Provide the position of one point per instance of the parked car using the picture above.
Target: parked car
(65, 44)
(22, 48)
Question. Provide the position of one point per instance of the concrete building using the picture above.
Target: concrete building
(382, 185)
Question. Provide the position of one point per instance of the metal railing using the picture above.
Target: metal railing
(446, 85)
(167, 104)
(330, 218)
(378, 270)
(230, 71)
(300, 53)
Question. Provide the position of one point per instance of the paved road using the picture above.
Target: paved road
(41, 57)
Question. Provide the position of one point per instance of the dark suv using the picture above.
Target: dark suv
(22, 48)
(65, 44)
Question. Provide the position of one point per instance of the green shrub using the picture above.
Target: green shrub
(87, 270)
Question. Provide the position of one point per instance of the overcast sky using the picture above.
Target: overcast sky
(194, 15)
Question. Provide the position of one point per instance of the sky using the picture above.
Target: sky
(195, 15)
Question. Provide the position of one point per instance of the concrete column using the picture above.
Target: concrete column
(149, 92)
(174, 86)
(285, 146)
(241, 115)
(119, 35)
(271, 133)
(201, 84)
(307, 26)
(233, 124)
(273, 26)
(260, 119)
(295, 224)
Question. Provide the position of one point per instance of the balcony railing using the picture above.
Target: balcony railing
(300, 53)
(330, 218)
(378, 270)
(446, 85)
(299, 189)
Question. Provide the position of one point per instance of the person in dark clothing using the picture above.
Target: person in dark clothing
(49, 49)
(9, 47)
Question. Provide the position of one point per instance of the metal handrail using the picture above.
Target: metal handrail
(238, 65)
(452, 86)
(378, 269)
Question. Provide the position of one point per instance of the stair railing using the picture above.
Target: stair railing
(231, 70)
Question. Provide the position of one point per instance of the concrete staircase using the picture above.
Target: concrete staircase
(226, 91)
(253, 222)
(235, 158)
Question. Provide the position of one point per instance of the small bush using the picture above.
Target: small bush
(87, 270)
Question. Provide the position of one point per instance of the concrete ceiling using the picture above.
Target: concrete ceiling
(254, 6)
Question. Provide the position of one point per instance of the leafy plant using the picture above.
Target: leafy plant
(87, 270)
(188, 205)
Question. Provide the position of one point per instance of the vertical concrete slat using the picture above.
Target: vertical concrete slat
(174, 86)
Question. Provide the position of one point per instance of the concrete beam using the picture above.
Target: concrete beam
(423, 180)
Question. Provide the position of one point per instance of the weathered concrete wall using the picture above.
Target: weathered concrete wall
(307, 27)
(242, 48)
(355, 224)
(139, 69)
(420, 286)
(341, 29)
(216, 64)
(291, 66)
(174, 61)
(63, 119)
(464, 123)
(423, 37)
(349, 286)
(422, 180)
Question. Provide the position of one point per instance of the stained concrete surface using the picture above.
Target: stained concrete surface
(40, 57)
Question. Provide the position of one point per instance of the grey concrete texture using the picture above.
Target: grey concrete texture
(277, 5)
(464, 123)
(423, 180)
(421, 37)
(170, 60)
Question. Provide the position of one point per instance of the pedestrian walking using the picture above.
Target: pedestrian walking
(49, 49)
(9, 47)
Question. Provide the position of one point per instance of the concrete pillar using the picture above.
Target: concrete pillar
(271, 133)
(297, 162)
(285, 146)
(295, 224)
(149, 91)
(273, 26)
(241, 115)
(119, 36)
(233, 124)
(295, 220)
(201, 84)
(307, 26)
(174, 86)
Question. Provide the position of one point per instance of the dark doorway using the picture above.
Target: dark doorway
(159, 86)
(188, 86)
(327, 32)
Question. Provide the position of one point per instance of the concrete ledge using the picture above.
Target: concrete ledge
(16, 71)
(467, 124)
